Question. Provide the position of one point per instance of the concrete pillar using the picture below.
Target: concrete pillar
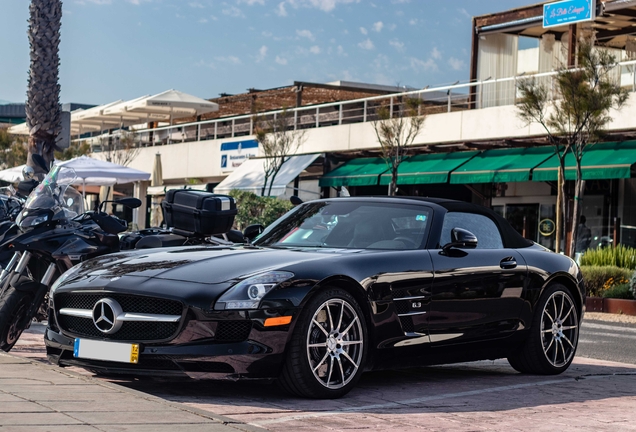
(139, 214)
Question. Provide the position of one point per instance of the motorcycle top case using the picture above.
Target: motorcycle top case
(198, 212)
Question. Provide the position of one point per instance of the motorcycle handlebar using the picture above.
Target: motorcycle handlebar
(110, 224)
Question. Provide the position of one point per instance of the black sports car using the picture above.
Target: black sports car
(333, 288)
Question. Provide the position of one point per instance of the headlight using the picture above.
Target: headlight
(65, 276)
(29, 221)
(248, 293)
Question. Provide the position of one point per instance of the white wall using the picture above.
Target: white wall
(202, 159)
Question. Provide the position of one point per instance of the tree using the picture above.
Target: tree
(13, 150)
(584, 97)
(43, 111)
(120, 150)
(75, 150)
(278, 139)
(396, 129)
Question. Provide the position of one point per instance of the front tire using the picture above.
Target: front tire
(328, 350)
(554, 335)
(13, 308)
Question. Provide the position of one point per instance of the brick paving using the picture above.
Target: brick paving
(483, 396)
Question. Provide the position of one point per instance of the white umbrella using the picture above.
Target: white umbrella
(156, 180)
(102, 173)
(12, 175)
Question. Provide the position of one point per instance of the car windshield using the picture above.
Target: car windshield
(350, 224)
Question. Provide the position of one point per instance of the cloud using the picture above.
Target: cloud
(252, 2)
(423, 65)
(381, 62)
(280, 10)
(436, 54)
(413, 21)
(135, 2)
(377, 27)
(281, 60)
(262, 53)
(400, 1)
(323, 5)
(315, 49)
(395, 43)
(465, 13)
(97, 2)
(203, 20)
(366, 44)
(306, 34)
(363, 31)
(229, 59)
(203, 63)
(456, 64)
(341, 51)
(196, 5)
(233, 11)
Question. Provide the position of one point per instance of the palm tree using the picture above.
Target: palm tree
(43, 94)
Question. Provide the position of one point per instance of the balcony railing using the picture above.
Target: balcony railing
(443, 99)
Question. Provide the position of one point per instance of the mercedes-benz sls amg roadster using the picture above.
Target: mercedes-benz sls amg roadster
(333, 288)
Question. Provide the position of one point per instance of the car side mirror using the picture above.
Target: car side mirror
(253, 231)
(295, 200)
(462, 239)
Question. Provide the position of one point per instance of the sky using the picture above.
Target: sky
(123, 49)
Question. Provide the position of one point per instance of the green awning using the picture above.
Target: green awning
(428, 168)
(501, 165)
(356, 172)
(601, 161)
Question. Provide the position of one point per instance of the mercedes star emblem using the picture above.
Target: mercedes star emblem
(105, 314)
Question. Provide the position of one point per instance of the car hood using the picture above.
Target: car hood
(207, 265)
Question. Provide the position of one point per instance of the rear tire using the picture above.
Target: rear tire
(554, 335)
(328, 349)
(13, 308)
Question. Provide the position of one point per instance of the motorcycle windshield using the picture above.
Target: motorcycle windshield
(55, 193)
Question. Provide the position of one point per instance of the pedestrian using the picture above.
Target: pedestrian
(583, 236)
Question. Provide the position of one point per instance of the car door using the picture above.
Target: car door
(476, 293)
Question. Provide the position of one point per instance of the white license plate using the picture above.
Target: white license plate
(106, 351)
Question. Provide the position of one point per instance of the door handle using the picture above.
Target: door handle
(508, 263)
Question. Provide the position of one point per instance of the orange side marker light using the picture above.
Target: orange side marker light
(278, 321)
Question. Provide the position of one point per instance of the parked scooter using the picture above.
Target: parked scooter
(54, 234)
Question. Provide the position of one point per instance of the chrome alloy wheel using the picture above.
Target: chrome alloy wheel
(335, 343)
(559, 329)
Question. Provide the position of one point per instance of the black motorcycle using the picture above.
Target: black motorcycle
(53, 234)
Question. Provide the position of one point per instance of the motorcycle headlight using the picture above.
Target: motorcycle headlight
(30, 221)
(248, 293)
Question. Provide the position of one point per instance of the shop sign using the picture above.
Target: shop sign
(547, 227)
(233, 154)
(568, 12)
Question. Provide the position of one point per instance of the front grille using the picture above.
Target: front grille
(130, 330)
(129, 303)
(233, 331)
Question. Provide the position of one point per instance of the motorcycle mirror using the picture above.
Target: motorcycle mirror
(39, 161)
(129, 202)
(28, 173)
(252, 231)
(295, 200)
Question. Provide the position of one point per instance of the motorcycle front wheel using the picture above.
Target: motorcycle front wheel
(14, 306)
